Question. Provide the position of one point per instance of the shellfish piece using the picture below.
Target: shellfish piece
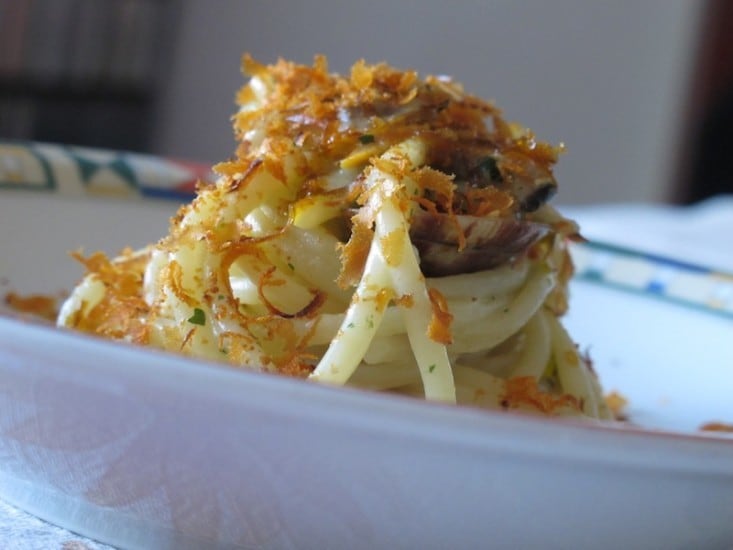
(489, 241)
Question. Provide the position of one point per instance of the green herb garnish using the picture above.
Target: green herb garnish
(431, 368)
(488, 168)
(366, 138)
(198, 317)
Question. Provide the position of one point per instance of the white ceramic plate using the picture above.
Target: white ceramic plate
(144, 449)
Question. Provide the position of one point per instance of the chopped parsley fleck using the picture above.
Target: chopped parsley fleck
(431, 368)
(224, 351)
(350, 325)
(366, 138)
(198, 317)
(220, 297)
(488, 168)
(291, 266)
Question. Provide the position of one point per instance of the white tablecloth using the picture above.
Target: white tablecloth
(22, 531)
(700, 235)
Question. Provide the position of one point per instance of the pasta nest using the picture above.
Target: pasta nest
(378, 230)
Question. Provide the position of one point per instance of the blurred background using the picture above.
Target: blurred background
(640, 91)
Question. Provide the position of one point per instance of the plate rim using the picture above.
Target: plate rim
(318, 397)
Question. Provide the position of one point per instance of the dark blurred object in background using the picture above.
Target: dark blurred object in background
(706, 159)
(82, 72)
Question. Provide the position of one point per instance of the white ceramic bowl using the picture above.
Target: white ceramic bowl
(139, 448)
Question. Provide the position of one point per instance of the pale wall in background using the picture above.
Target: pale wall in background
(607, 78)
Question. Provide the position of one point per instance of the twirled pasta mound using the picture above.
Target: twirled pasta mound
(378, 230)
